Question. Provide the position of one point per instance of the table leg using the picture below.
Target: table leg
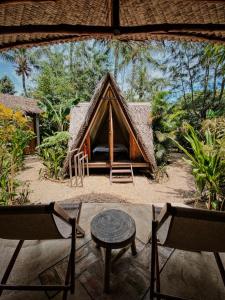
(107, 270)
(133, 248)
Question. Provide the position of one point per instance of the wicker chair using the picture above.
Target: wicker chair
(189, 230)
(39, 222)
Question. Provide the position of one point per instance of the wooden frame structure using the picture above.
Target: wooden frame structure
(32, 213)
(173, 214)
(112, 131)
(80, 161)
(111, 97)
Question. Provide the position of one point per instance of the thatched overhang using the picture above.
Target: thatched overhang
(24, 104)
(27, 23)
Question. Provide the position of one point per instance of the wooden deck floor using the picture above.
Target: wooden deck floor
(100, 164)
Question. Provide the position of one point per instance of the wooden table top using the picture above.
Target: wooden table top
(113, 228)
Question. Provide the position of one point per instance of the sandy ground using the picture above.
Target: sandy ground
(178, 188)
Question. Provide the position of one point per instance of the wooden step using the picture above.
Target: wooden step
(121, 171)
(122, 179)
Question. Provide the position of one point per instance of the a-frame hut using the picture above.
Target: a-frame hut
(111, 130)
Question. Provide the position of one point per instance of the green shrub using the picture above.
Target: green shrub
(14, 138)
(53, 151)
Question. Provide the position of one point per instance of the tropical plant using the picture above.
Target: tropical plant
(204, 156)
(23, 60)
(67, 74)
(165, 120)
(6, 86)
(56, 116)
(53, 151)
(197, 76)
(15, 136)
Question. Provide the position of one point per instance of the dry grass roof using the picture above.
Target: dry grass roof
(26, 105)
(38, 22)
(136, 113)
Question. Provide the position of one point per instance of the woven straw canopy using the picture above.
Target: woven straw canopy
(26, 105)
(35, 22)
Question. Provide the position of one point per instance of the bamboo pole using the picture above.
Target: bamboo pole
(111, 146)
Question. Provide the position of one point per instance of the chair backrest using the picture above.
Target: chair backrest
(32, 222)
(192, 229)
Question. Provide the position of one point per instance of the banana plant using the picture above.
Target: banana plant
(207, 164)
(53, 152)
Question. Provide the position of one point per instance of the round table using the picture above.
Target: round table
(113, 229)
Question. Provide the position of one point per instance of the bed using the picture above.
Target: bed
(101, 152)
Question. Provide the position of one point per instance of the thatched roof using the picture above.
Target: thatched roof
(27, 105)
(37, 22)
(136, 113)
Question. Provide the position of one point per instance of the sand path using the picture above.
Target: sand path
(178, 188)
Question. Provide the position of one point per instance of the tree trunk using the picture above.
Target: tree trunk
(24, 85)
(133, 75)
(116, 60)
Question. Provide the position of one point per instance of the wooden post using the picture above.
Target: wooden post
(37, 125)
(111, 146)
(71, 153)
(87, 166)
(70, 169)
(89, 146)
(77, 166)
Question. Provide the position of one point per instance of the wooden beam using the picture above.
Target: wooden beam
(101, 164)
(37, 127)
(129, 126)
(111, 144)
(63, 39)
(93, 118)
(45, 41)
(88, 140)
(115, 16)
(67, 29)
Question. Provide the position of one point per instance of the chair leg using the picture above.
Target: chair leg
(11, 263)
(73, 254)
(153, 259)
(107, 270)
(70, 272)
(220, 266)
(157, 271)
(133, 248)
(65, 292)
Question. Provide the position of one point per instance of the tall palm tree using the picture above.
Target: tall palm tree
(139, 54)
(23, 61)
(117, 50)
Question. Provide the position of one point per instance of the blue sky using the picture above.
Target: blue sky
(7, 68)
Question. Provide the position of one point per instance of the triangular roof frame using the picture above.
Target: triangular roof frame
(97, 97)
(110, 82)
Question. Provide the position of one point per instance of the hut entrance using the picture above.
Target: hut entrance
(109, 137)
(109, 140)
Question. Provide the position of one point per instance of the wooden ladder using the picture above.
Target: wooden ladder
(121, 173)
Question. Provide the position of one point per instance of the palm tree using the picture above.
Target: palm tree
(23, 61)
(139, 54)
(117, 50)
